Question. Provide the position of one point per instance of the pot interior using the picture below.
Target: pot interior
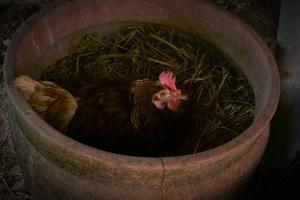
(50, 32)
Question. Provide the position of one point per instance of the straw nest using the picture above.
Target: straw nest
(225, 102)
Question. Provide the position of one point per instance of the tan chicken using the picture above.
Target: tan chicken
(106, 112)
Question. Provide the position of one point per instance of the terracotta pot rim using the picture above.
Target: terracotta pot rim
(76, 148)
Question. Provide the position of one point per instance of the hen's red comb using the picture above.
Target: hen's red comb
(168, 78)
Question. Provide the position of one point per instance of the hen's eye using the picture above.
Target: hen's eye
(163, 94)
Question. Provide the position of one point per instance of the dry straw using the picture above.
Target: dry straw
(223, 102)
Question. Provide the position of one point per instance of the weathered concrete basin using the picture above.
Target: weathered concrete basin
(57, 167)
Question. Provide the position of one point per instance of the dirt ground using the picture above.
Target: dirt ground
(261, 15)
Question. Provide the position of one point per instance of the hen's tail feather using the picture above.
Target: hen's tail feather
(61, 112)
(27, 85)
(55, 104)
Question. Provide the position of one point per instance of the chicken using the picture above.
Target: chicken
(110, 113)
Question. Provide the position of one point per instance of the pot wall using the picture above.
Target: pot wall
(56, 167)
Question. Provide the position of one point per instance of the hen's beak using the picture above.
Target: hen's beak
(177, 95)
(181, 97)
(176, 99)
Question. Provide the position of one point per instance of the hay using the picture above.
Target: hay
(223, 100)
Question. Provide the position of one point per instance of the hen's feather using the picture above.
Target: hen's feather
(27, 85)
(102, 117)
(55, 104)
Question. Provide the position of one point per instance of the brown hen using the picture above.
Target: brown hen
(110, 116)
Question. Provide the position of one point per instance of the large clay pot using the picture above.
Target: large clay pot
(57, 167)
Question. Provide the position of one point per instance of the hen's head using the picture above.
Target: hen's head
(169, 95)
(162, 93)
